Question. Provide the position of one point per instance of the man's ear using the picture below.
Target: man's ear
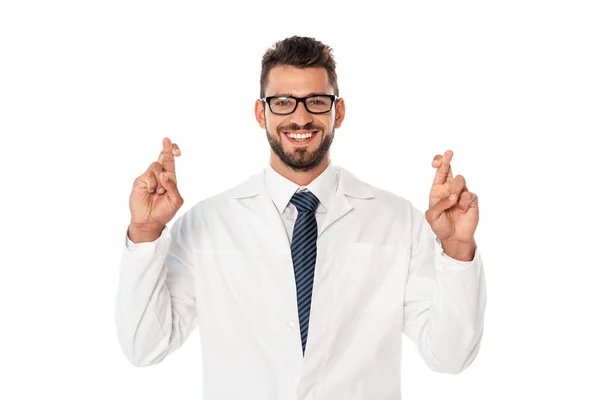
(340, 112)
(259, 113)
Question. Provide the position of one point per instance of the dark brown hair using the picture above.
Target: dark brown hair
(301, 52)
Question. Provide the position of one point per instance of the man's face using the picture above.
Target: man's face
(296, 152)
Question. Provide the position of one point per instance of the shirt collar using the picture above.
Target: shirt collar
(282, 189)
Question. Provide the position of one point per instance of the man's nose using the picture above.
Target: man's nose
(301, 116)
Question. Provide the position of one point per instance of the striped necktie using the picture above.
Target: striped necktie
(304, 255)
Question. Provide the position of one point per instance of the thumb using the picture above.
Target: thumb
(441, 206)
(171, 187)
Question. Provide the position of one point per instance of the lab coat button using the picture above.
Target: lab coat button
(291, 325)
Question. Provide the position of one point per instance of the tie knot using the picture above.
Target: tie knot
(305, 201)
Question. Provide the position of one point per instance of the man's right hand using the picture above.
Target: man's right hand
(154, 199)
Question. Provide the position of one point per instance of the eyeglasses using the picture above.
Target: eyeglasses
(314, 104)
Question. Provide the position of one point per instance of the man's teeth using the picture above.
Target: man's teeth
(299, 136)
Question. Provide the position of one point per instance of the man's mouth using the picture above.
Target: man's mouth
(301, 136)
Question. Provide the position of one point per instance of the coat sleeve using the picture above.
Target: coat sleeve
(444, 302)
(155, 308)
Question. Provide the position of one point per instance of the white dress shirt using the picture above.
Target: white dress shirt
(225, 266)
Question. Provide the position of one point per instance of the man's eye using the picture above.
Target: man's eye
(317, 102)
(281, 103)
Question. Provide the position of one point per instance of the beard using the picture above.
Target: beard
(301, 160)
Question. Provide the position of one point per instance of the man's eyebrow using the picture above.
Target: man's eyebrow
(289, 94)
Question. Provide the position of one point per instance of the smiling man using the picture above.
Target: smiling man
(303, 278)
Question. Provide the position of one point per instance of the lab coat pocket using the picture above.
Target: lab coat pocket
(371, 277)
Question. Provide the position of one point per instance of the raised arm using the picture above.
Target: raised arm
(155, 308)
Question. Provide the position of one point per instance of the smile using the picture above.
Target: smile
(300, 136)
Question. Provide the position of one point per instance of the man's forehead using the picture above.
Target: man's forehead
(297, 81)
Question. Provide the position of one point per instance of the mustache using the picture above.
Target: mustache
(311, 126)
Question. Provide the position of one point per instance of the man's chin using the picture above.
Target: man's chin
(300, 158)
(300, 167)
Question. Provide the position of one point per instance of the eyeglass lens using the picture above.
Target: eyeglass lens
(317, 104)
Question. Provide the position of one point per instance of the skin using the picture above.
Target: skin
(155, 199)
(453, 212)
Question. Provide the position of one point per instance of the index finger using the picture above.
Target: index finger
(444, 171)
(166, 159)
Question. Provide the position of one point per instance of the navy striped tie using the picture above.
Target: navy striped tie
(304, 255)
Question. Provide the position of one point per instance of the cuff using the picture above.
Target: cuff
(444, 261)
(131, 246)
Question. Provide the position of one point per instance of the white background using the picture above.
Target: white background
(89, 88)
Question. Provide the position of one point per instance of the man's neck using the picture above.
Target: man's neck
(301, 178)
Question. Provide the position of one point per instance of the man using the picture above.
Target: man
(303, 278)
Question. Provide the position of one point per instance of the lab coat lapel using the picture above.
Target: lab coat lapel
(338, 207)
(340, 204)
(262, 214)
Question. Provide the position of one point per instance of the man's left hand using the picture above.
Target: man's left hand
(453, 211)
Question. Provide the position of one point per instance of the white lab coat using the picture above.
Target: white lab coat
(225, 266)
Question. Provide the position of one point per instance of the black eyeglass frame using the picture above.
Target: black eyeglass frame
(332, 97)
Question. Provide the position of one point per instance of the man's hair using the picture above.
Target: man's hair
(300, 52)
